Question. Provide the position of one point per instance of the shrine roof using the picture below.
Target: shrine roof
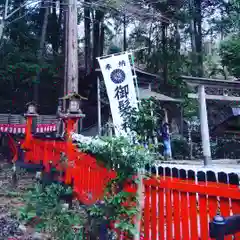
(195, 81)
(147, 93)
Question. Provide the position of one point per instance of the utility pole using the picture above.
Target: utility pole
(71, 49)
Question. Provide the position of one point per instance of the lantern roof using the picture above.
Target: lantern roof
(73, 95)
(31, 103)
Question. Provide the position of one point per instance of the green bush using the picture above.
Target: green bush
(44, 206)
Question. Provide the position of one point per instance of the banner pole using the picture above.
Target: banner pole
(135, 75)
(99, 106)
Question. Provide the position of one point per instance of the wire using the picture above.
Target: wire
(16, 19)
(136, 13)
(17, 9)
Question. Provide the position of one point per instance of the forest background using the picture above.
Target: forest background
(180, 37)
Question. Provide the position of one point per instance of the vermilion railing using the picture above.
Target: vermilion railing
(87, 177)
(13, 148)
(20, 128)
(181, 209)
(179, 204)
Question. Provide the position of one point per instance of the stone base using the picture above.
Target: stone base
(207, 161)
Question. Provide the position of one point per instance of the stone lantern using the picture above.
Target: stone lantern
(31, 117)
(73, 111)
(31, 109)
(73, 103)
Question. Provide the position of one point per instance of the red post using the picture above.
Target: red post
(28, 129)
(70, 123)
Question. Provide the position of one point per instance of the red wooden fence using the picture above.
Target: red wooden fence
(180, 206)
(13, 148)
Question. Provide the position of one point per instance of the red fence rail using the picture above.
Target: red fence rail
(181, 205)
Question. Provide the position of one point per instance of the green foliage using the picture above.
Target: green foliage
(144, 121)
(112, 209)
(230, 54)
(118, 151)
(227, 147)
(127, 158)
(45, 206)
(190, 108)
(114, 49)
(180, 148)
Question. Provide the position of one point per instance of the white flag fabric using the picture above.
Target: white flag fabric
(118, 78)
(236, 111)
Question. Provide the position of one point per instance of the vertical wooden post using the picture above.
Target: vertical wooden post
(181, 107)
(204, 126)
(70, 125)
(140, 205)
(72, 53)
(28, 129)
(110, 126)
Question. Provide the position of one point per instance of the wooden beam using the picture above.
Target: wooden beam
(208, 82)
(214, 80)
(215, 97)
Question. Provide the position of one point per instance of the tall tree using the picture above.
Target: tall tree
(41, 50)
(98, 18)
(87, 36)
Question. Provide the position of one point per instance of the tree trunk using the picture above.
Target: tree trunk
(102, 34)
(55, 29)
(199, 37)
(177, 39)
(61, 26)
(87, 39)
(193, 36)
(72, 57)
(65, 53)
(124, 33)
(164, 51)
(96, 37)
(40, 53)
(149, 39)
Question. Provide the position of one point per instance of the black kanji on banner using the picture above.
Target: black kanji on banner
(121, 92)
(108, 67)
(122, 63)
(124, 106)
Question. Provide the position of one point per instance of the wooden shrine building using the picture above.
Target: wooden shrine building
(150, 85)
(224, 115)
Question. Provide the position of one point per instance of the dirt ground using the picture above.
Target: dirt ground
(11, 201)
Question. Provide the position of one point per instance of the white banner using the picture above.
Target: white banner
(118, 78)
(236, 111)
